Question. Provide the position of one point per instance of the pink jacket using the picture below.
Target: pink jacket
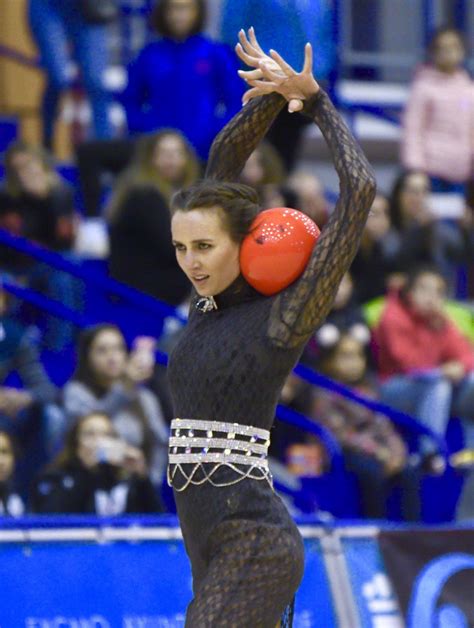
(438, 129)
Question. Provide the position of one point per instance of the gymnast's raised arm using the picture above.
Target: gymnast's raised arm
(301, 308)
(241, 135)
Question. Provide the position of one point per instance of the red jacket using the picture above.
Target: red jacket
(406, 342)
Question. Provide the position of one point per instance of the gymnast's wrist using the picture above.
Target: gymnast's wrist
(311, 104)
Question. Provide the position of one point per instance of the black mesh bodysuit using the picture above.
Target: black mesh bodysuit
(230, 364)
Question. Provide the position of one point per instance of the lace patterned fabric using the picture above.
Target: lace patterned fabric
(230, 365)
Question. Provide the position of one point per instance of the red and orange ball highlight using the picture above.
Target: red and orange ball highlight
(277, 249)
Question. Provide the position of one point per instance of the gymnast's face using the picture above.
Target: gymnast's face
(204, 249)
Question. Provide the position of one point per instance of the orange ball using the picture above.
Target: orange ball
(277, 248)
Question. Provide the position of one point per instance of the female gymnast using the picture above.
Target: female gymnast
(228, 367)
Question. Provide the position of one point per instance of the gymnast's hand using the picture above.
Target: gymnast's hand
(273, 74)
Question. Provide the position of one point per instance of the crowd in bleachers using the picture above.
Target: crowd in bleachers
(98, 444)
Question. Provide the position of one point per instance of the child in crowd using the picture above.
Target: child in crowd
(373, 449)
(346, 316)
(438, 131)
(108, 379)
(96, 472)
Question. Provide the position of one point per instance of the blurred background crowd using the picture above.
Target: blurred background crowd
(108, 108)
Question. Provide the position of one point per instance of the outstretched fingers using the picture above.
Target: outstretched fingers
(284, 66)
(271, 71)
(308, 59)
(250, 75)
(246, 58)
(253, 40)
(268, 86)
(248, 47)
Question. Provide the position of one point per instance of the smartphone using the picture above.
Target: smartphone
(111, 450)
(144, 347)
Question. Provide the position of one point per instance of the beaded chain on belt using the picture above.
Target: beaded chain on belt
(242, 448)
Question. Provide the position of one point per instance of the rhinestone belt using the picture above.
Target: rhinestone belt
(215, 443)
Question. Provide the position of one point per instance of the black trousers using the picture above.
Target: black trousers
(94, 159)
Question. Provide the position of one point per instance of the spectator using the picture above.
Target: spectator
(96, 472)
(286, 26)
(438, 132)
(426, 366)
(425, 240)
(55, 25)
(37, 204)
(109, 380)
(373, 450)
(263, 167)
(183, 56)
(378, 255)
(139, 218)
(11, 504)
(310, 193)
(273, 195)
(346, 316)
(28, 411)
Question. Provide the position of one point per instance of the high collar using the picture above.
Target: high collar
(239, 291)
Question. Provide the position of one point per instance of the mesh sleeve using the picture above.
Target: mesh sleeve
(301, 308)
(241, 135)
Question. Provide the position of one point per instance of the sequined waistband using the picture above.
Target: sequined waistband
(193, 440)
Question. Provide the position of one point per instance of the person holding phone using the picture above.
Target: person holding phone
(109, 379)
(95, 472)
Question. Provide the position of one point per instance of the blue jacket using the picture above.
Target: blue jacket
(192, 86)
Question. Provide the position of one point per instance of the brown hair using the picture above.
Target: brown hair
(413, 275)
(12, 182)
(68, 454)
(273, 167)
(142, 171)
(86, 376)
(238, 202)
(159, 22)
(395, 202)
